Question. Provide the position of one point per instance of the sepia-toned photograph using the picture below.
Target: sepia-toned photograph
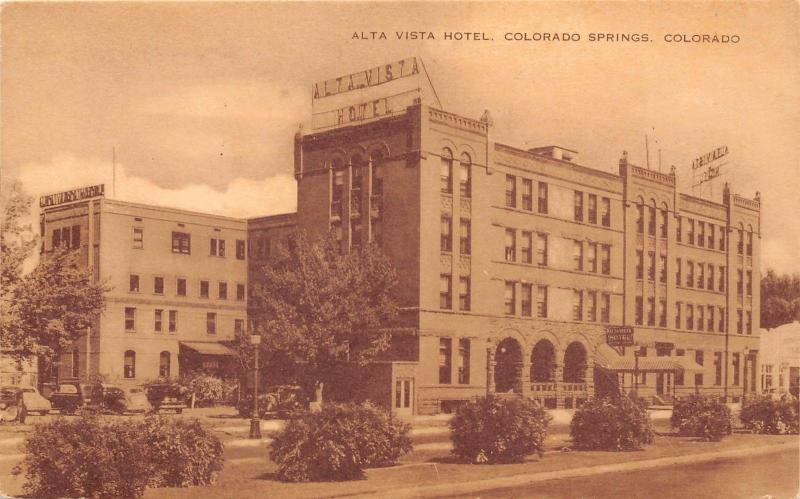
(400, 249)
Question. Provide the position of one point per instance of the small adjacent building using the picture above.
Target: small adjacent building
(780, 360)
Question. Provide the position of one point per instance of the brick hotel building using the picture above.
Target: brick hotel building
(513, 263)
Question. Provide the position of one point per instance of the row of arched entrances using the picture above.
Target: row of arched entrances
(508, 365)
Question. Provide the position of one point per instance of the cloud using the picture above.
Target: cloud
(241, 197)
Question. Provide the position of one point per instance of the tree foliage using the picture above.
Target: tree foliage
(780, 299)
(316, 305)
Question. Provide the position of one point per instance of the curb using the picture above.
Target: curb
(454, 488)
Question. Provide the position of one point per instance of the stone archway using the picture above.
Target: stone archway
(543, 362)
(508, 367)
(575, 363)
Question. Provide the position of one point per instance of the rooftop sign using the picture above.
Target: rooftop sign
(72, 195)
(367, 78)
(710, 157)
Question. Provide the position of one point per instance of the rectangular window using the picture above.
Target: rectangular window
(65, 237)
(701, 233)
(181, 243)
(541, 301)
(173, 321)
(217, 247)
(662, 270)
(463, 361)
(527, 247)
(721, 327)
(735, 363)
(678, 272)
(711, 236)
(639, 264)
(465, 178)
(510, 298)
(605, 212)
(710, 277)
(591, 306)
(605, 307)
(721, 278)
(749, 323)
(679, 229)
(739, 282)
(662, 313)
(591, 258)
(138, 238)
(718, 368)
(223, 291)
(211, 323)
(577, 255)
(133, 283)
(158, 317)
(678, 306)
(541, 249)
(56, 239)
(446, 173)
(240, 291)
(527, 300)
(690, 232)
(749, 285)
(749, 241)
(700, 318)
(130, 319)
(639, 312)
(511, 245)
(651, 266)
(445, 355)
(238, 326)
(158, 285)
(701, 278)
(337, 191)
(651, 220)
(180, 286)
(689, 274)
(689, 317)
(511, 191)
(542, 200)
(446, 233)
(740, 243)
(710, 319)
(605, 259)
(592, 215)
(698, 357)
(204, 287)
(578, 206)
(577, 305)
(445, 292)
(240, 249)
(464, 299)
(527, 194)
(465, 237)
(663, 224)
(640, 219)
(651, 311)
(722, 237)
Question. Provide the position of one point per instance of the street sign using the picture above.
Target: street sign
(619, 336)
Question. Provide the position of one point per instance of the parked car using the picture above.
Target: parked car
(279, 400)
(34, 402)
(71, 396)
(120, 400)
(11, 408)
(165, 397)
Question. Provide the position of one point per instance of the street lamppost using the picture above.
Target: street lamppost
(255, 421)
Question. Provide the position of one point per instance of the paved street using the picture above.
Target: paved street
(770, 475)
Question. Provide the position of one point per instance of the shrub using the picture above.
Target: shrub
(618, 423)
(187, 454)
(338, 442)
(208, 390)
(699, 416)
(86, 457)
(495, 430)
(765, 415)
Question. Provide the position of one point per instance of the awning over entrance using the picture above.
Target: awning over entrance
(208, 348)
(606, 357)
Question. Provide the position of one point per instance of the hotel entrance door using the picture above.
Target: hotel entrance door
(404, 396)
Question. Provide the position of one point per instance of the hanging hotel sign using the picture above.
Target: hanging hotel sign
(72, 195)
(709, 157)
(619, 336)
(370, 94)
(367, 78)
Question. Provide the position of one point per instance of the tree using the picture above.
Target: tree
(320, 307)
(55, 305)
(17, 241)
(780, 299)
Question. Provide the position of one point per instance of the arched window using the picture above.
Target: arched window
(664, 220)
(164, 364)
(75, 362)
(651, 218)
(749, 240)
(130, 364)
(446, 171)
(640, 216)
(465, 175)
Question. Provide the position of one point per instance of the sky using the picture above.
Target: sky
(197, 104)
